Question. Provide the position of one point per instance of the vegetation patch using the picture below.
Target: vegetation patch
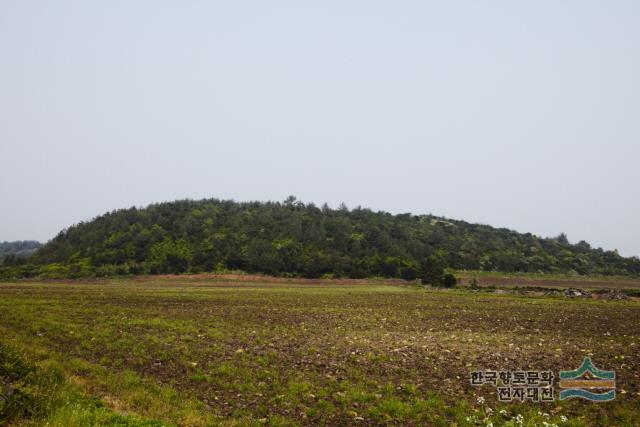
(199, 352)
(40, 394)
(293, 239)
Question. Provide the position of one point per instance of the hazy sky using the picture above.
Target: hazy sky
(517, 114)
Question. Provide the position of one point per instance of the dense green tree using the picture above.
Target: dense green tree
(432, 269)
(449, 280)
(169, 256)
(408, 273)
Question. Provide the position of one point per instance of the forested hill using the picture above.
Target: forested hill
(10, 252)
(292, 238)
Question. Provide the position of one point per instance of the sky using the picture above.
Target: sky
(523, 115)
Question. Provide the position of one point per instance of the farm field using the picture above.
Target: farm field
(525, 280)
(202, 351)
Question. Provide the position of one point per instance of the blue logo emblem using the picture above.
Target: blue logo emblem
(588, 382)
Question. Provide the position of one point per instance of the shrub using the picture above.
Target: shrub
(433, 269)
(408, 273)
(449, 280)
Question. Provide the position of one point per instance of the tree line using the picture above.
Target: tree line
(14, 253)
(295, 239)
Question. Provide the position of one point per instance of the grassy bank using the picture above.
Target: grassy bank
(35, 394)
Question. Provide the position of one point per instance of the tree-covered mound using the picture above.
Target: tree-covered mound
(297, 239)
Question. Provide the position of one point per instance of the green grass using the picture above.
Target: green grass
(198, 352)
(522, 278)
(41, 395)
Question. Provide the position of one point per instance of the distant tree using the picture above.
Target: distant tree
(17, 251)
(582, 246)
(432, 269)
(449, 280)
(10, 260)
(291, 201)
(389, 266)
(408, 273)
(169, 256)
